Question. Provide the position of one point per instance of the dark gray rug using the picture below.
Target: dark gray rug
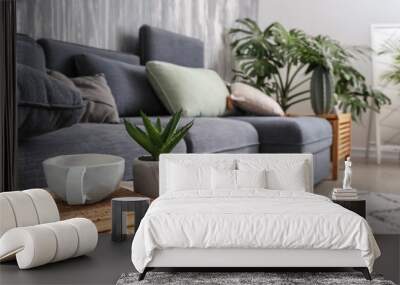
(243, 278)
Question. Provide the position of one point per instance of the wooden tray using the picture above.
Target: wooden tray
(100, 212)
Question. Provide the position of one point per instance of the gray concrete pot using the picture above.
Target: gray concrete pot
(145, 177)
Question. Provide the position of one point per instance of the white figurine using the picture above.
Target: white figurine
(347, 174)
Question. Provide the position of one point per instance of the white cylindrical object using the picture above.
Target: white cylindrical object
(45, 205)
(37, 245)
(23, 208)
(67, 240)
(33, 246)
(87, 233)
(7, 218)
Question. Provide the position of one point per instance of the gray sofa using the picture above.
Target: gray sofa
(234, 134)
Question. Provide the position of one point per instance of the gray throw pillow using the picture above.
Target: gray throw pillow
(44, 104)
(100, 105)
(128, 83)
(29, 52)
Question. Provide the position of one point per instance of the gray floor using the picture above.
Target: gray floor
(103, 266)
(368, 176)
(110, 260)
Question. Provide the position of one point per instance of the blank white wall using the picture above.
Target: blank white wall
(347, 21)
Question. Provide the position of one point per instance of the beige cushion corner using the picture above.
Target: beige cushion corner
(254, 101)
(195, 91)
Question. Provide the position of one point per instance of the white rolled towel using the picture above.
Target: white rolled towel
(40, 244)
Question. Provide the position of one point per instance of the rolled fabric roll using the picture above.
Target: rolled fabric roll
(67, 240)
(33, 246)
(87, 234)
(45, 205)
(40, 244)
(23, 208)
(7, 218)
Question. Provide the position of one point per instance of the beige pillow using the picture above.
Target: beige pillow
(254, 101)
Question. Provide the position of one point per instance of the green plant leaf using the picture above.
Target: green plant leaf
(158, 125)
(171, 126)
(139, 136)
(261, 55)
(176, 137)
(153, 134)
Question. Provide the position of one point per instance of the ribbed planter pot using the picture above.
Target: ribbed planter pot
(321, 89)
(145, 176)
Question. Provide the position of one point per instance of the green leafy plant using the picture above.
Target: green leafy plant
(393, 74)
(279, 63)
(155, 139)
(270, 60)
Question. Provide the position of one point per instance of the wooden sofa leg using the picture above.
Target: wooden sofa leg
(143, 274)
(364, 271)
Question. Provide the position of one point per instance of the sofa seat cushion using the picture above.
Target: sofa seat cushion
(164, 120)
(80, 138)
(212, 135)
(291, 134)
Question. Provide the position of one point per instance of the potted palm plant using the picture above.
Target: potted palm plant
(295, 67)
(155, 139)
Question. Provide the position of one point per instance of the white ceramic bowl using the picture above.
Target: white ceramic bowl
(83, 178)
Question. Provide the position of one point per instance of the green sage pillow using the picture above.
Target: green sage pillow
(196, 91)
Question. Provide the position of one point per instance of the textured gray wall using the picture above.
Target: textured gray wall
(113, 24)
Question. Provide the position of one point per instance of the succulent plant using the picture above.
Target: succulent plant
(154, 138)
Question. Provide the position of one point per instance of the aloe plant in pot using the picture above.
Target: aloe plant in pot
(155, 139)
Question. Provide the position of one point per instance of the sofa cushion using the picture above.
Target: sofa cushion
(29, 53)
(80, 138)
(59, 55)
(44, 104)
(291, 134)
(162, 45)
(128, 84)
(197, 92)
(211, 135)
